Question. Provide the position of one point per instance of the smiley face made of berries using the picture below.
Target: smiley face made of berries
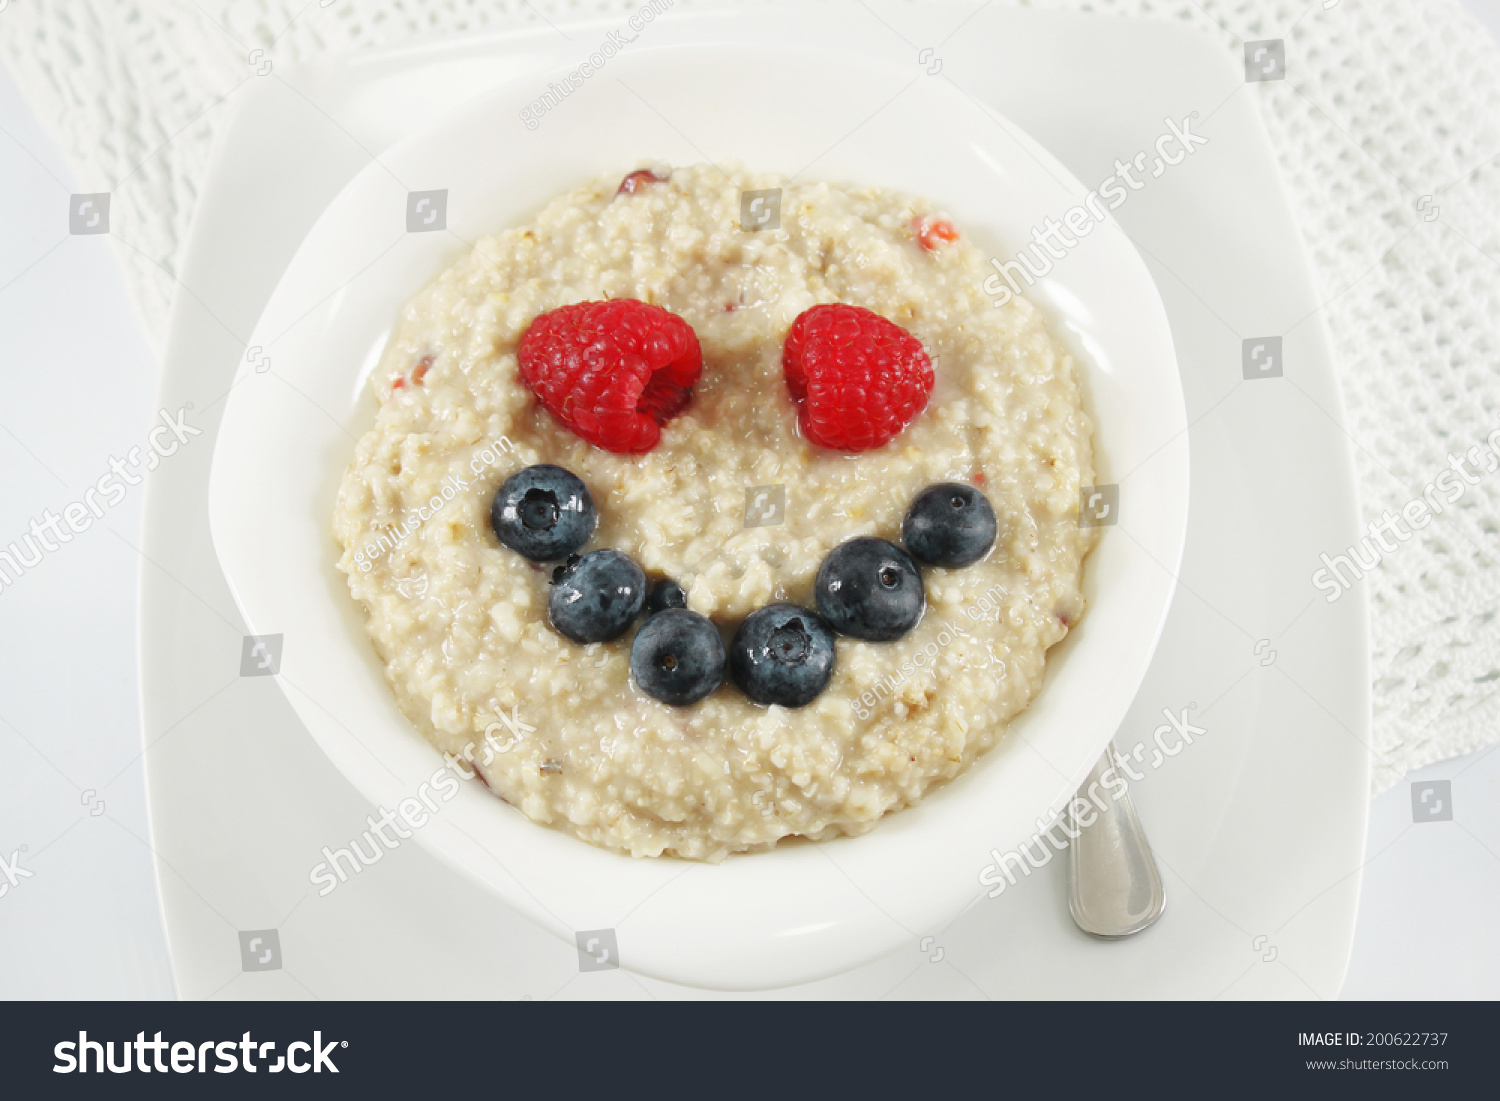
(613, 373)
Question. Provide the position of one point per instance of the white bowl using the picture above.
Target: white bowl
(801, 911)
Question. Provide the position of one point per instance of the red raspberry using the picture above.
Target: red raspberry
(933, 233)
(858, 378)
(613, 372)
(637, 180)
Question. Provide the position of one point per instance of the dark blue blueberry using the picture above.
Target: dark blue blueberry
(868, 588)
(596, 598)
(543, 512)
(782, 654)
(949, 525)
(677, 656)
(665, 594)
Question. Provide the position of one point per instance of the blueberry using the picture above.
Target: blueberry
(543, 512)
(677, 656)
(782, 654)
(870, 589)
(596, 598)
(949, 525)
(665, 594)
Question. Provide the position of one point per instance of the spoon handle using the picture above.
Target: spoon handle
(1114, 889)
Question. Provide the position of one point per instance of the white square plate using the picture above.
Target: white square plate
(1259, 829)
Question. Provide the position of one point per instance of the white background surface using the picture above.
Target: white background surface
(77, 387)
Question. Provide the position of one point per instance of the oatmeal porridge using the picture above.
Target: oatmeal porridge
(729, 498)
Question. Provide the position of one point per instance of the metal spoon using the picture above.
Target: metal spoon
(1114, 889)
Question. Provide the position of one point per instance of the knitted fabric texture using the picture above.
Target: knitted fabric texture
(1387, 130)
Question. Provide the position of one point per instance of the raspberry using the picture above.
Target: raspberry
(418, 373)
(858, 379)
(637, 180)
(933, 233)
(613, 372)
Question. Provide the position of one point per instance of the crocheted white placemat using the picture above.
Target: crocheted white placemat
(1387, 129)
